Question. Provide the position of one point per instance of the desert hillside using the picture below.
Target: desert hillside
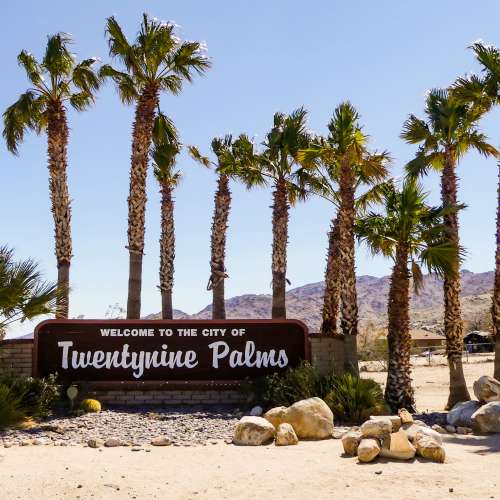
(305, 302)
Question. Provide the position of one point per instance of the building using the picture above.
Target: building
(423, 338)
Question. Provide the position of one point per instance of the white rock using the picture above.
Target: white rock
(253, 431)
(256, 411)
(376, 428)
(412, 429)
(396, 445)
(487, 418)
(368, 449)
(285, 435)
(461, 413)
(439, 429)
(276, 415)
(487, 389)
(464, 430)
(451, 429)
(428, 446)
(310, 418)
(395, 421)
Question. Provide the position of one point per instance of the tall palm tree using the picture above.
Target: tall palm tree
(231, 163)
(412, 234)
(166, 148)
(156, 62)
(449, 131)
(346, 165)
(56, 81)
(24, 294)
(484, 90)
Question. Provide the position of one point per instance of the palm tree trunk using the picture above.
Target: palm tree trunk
(398, 390)
(57, 133)
(222, 203)
(331, 299)
(167, 251)
(453, 326)
(280, 241)
(347, 278)
(141, 142)
(495, 310)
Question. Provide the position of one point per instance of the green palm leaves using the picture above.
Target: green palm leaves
(156, 57)
(166, 148)
(57, 79)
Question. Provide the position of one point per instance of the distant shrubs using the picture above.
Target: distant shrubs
(10, 407)
(22, 397)
(90, 406)
(350, 398)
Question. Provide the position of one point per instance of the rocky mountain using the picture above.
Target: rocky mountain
(305, 302)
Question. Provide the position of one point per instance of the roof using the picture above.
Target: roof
(418, 334)
(480, 334)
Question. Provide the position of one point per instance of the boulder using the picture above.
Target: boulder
(95, 443)
(376, 428)
(253, 431)
(114, 443)
(487, 418)
(285, 435)
(405, 416)
(451, 429)
(256, 411)
(276, 415)
(439, 429)
(310, 418)
(368, 450)
(487, 389)
(461, 413)
(396, 445)
(412, 429)
(464, 430)
(395, 421)
(350, 442)
(428, 446)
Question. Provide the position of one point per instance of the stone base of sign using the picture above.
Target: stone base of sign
(16, 358)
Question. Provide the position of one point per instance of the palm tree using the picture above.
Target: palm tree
(166, 148)
(348, 164)
(156, 62)
(484, 91)
(56, 81)
(449, 131)
(412, 234)
(24, 295)
(231, 163)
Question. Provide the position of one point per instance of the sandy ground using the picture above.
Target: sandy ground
(431, 382)
(313, 470)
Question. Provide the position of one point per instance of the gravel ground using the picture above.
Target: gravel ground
(182, 426)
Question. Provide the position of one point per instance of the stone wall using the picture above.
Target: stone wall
(16, 357)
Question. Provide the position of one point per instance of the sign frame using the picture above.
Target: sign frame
(203, 383)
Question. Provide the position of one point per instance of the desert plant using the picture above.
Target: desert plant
(24, 294)
(36, 395)
(354, 399)
(55, 81)
(90, 406)
(157, 61)
(11, 411)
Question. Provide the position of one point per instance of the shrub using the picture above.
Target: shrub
(354, 399)
(37, 395)
(10, 407)
(90, 406)
(351, 399)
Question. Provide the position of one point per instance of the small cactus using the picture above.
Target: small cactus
(90, 406)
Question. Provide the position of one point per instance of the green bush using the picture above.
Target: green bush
(354, 399)
(37, 395)
(11, 411)
(351, 399)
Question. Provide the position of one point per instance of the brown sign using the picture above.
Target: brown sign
(144, 350)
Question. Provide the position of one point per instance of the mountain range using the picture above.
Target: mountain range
(305, 303)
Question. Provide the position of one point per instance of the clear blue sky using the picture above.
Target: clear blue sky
(267, 56)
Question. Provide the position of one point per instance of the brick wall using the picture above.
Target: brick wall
(16, 357)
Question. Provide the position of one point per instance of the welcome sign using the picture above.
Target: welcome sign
(141, 350)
